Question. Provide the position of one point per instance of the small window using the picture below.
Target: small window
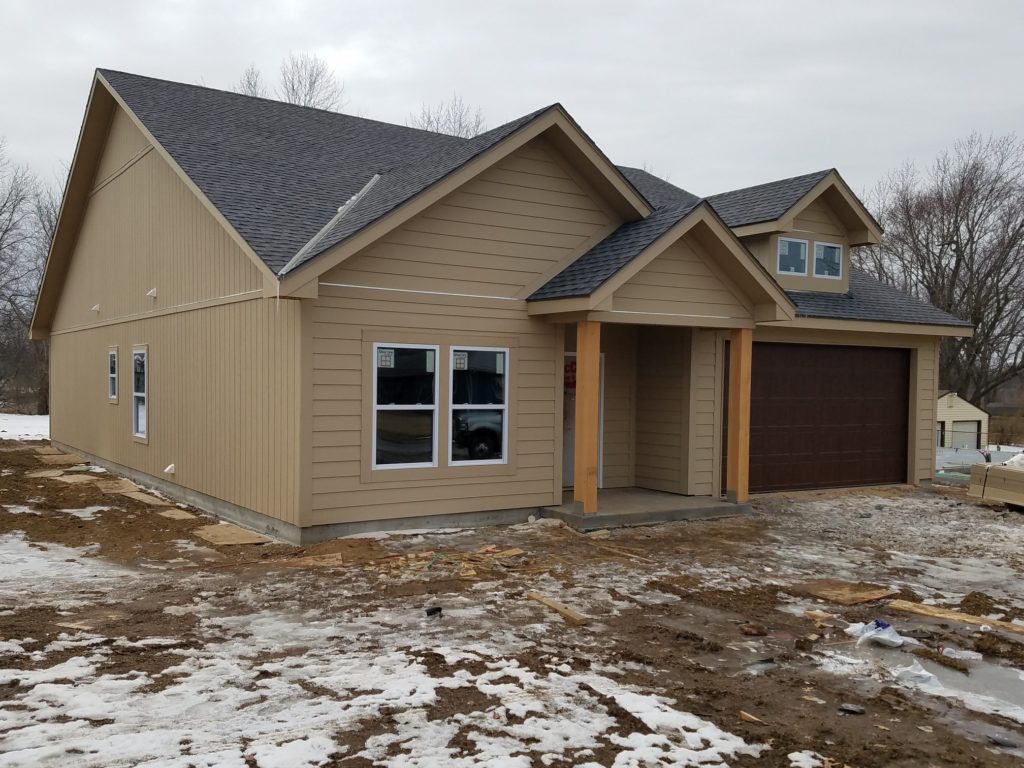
(479, 406)
(112, 374)
(828, 260)
(405, 406)
(792, 256)
(140, 393)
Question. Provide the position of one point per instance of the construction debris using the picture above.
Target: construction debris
(51, 473)
(176, 514)
(145, 498)
(564, 611)
(935, 612)
(751, 718)
(67, 459)
(120, 485)
(225, 533)
(842, 592)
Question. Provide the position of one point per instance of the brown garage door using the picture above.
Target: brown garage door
(827, 416)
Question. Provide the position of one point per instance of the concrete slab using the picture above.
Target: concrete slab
(226, 533)
(624, 507)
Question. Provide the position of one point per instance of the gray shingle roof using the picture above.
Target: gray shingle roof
(279, 173)
(764, 202)
(872, 300)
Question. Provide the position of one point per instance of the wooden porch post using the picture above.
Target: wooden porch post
(588, 386)
(737, 475)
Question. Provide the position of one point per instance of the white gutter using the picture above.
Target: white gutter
(342, 212)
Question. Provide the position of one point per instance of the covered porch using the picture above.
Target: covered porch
(644, 411)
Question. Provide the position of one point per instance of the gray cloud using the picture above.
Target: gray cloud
(713, 95)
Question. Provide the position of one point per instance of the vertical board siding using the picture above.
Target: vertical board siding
(662, 408)
(143, 230)
(494, 236)
(679, 282)
(223, 400)
(344, 489)
(618, 343)
(124, 142)
(704, 386)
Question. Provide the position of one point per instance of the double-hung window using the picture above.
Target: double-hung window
(828, 260)
(112, 374)
(140, 392)
(792, 256)
(404, 405)
(479, 405)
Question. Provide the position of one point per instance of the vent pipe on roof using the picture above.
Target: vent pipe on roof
(342, 212)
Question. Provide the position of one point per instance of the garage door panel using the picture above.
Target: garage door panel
(827, 416)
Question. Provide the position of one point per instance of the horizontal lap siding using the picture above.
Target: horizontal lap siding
(954, 408)
(342, 432)
(679, 282)
(223, 400)
(495, 236)
(925, 368)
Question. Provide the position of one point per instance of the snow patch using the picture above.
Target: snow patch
(17, 426)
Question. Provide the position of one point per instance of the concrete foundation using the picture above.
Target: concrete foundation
(624, 507)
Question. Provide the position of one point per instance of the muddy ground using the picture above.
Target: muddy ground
(127, 640)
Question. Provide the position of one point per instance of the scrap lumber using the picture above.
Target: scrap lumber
(997, 482)
(842, 592)
(175, 514)
(51, 473)
(62, 458)
(935, 612)
(47, 450)
(119, 485)
(145, 498)
(64, 478)
(226, 533)
(562, 610)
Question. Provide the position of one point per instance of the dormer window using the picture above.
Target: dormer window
(792, 256)
(828, 260)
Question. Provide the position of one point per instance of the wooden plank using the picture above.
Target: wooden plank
(62, 459)
(564, 611)
(588, 385)
(935, 612)
(738, 466)
(842, 592)
(225, 533)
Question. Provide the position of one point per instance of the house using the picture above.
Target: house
(316, 324)
(958, 424)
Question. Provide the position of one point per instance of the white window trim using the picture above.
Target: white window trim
(479, 407)
(815, 267)
(373, 433)
(113, 387)
(144, 350)
(778, 257)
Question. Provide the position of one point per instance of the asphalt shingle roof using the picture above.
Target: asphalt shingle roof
(764, 202)
(279, 172)
(871, 299)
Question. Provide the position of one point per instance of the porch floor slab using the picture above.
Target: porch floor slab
(624, 507)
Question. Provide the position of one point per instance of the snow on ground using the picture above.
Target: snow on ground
(16, 426)
(280, 684)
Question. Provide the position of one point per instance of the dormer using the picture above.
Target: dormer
(801, 229)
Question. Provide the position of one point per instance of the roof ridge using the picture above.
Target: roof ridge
(279, 102)
(799, 177)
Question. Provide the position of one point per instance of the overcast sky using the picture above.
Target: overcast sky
(714, 95)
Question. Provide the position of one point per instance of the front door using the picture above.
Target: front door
(569, 424)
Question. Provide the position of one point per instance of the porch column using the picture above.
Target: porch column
(588, 385)
(737, 474)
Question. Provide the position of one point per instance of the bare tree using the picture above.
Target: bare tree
(28, 215)
(452, 117)
(251, 83)
(308, 81)
(954, 235)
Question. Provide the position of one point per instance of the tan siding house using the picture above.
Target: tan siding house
(959, 424)
(412, 329)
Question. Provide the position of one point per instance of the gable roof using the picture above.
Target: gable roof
(764, 202)
(278, 172)
(871, 299)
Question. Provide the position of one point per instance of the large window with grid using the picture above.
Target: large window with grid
(404, 405)
(478, 422)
